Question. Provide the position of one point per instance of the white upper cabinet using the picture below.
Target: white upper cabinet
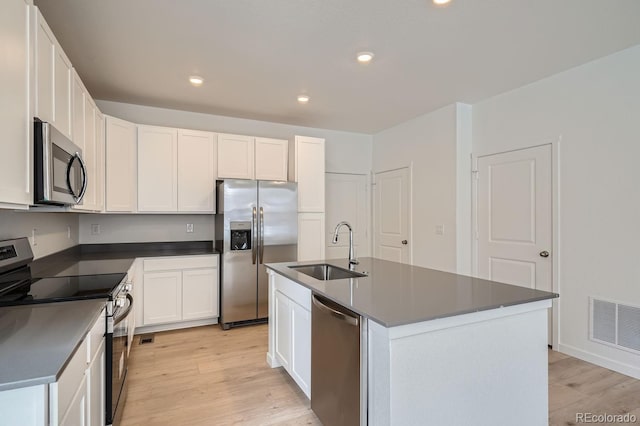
(196, 171)
(53, 77)
(271, 159)
(16, 122)
(100, 166)
(121, 163)
(236, 157)
(85, 136)
(157, 169)
(308, 170)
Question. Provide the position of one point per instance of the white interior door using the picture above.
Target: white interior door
(514, 218)
(347, 198)
(391, 215)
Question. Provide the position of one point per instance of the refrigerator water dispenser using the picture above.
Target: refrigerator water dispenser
(240, 235)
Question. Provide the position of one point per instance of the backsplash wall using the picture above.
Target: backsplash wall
(133, 228)
(54, 231)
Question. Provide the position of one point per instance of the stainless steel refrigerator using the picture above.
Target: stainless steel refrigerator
(256, 223)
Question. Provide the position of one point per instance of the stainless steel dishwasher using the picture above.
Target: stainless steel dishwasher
(335, 363)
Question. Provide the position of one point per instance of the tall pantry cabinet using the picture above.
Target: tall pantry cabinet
(308, 167)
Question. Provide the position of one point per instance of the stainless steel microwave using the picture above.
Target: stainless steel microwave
(60, 175)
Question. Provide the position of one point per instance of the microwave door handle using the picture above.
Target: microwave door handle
(83, 168)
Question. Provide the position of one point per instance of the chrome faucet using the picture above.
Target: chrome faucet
(352, 257)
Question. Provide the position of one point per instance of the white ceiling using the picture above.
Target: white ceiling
(257, 55)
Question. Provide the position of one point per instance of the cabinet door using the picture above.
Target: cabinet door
(45, 46)
(78, 93)
(199, 294)
(235, 157)
(300, 367)
(162, 297)
(157, 169)
(283, 329)
(196, 177)
(90, 154)
(96, 388)
(15, 120)
(272, 156)
(310, 236)
(120, 165)
(309, 168)
(76, 414)
(53, 77)
(99, 175)
(62, 92)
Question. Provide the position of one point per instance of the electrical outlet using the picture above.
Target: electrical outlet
(189, 228)
(95, 229)
(34, 242)
(439, 229)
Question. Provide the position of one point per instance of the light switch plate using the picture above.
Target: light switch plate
(95, 229)
(439, 229)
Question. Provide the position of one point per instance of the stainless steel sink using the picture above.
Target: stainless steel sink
(325, 272)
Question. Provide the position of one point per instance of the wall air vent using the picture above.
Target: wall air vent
(615, 324)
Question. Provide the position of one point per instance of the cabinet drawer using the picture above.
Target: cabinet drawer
(177, 262)
(69, 382)
(294, 291)
(95, 336)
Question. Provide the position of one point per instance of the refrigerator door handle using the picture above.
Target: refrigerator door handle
(254, 230)
(261, 259)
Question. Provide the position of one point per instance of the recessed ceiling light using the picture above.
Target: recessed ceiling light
(196, 80)
(441, 2)
(303, 99)
(365, 57)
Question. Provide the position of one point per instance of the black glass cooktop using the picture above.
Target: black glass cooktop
(57, 289)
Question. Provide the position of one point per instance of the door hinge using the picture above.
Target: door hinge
(475, 235)
(475, 174)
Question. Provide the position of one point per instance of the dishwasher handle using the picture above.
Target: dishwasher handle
(337, 314)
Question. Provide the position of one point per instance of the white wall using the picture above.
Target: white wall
(433, 144)
(117, 228)
(595, 110)
(51, 230)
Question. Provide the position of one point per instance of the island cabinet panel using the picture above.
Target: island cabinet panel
(15, 119)
(448, 371)
(283, 329)
(121, 166)
(290, 329)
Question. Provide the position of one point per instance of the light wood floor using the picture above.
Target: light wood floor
(207, 376)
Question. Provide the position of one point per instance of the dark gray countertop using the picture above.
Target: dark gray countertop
(394, 294)
(36, 341)
(91, 259)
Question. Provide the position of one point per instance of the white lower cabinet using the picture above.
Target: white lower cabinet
(77, 398)
(180, 289)
(283, 329)
(290, 329)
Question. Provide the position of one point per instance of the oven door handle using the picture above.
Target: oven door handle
(126, 313)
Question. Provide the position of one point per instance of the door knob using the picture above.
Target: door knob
(544, 253)
(405, 242)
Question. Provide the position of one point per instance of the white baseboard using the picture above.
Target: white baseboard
(629, 370)
(174, 326)
(272, 361)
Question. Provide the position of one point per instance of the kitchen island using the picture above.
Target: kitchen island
(436, 348)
